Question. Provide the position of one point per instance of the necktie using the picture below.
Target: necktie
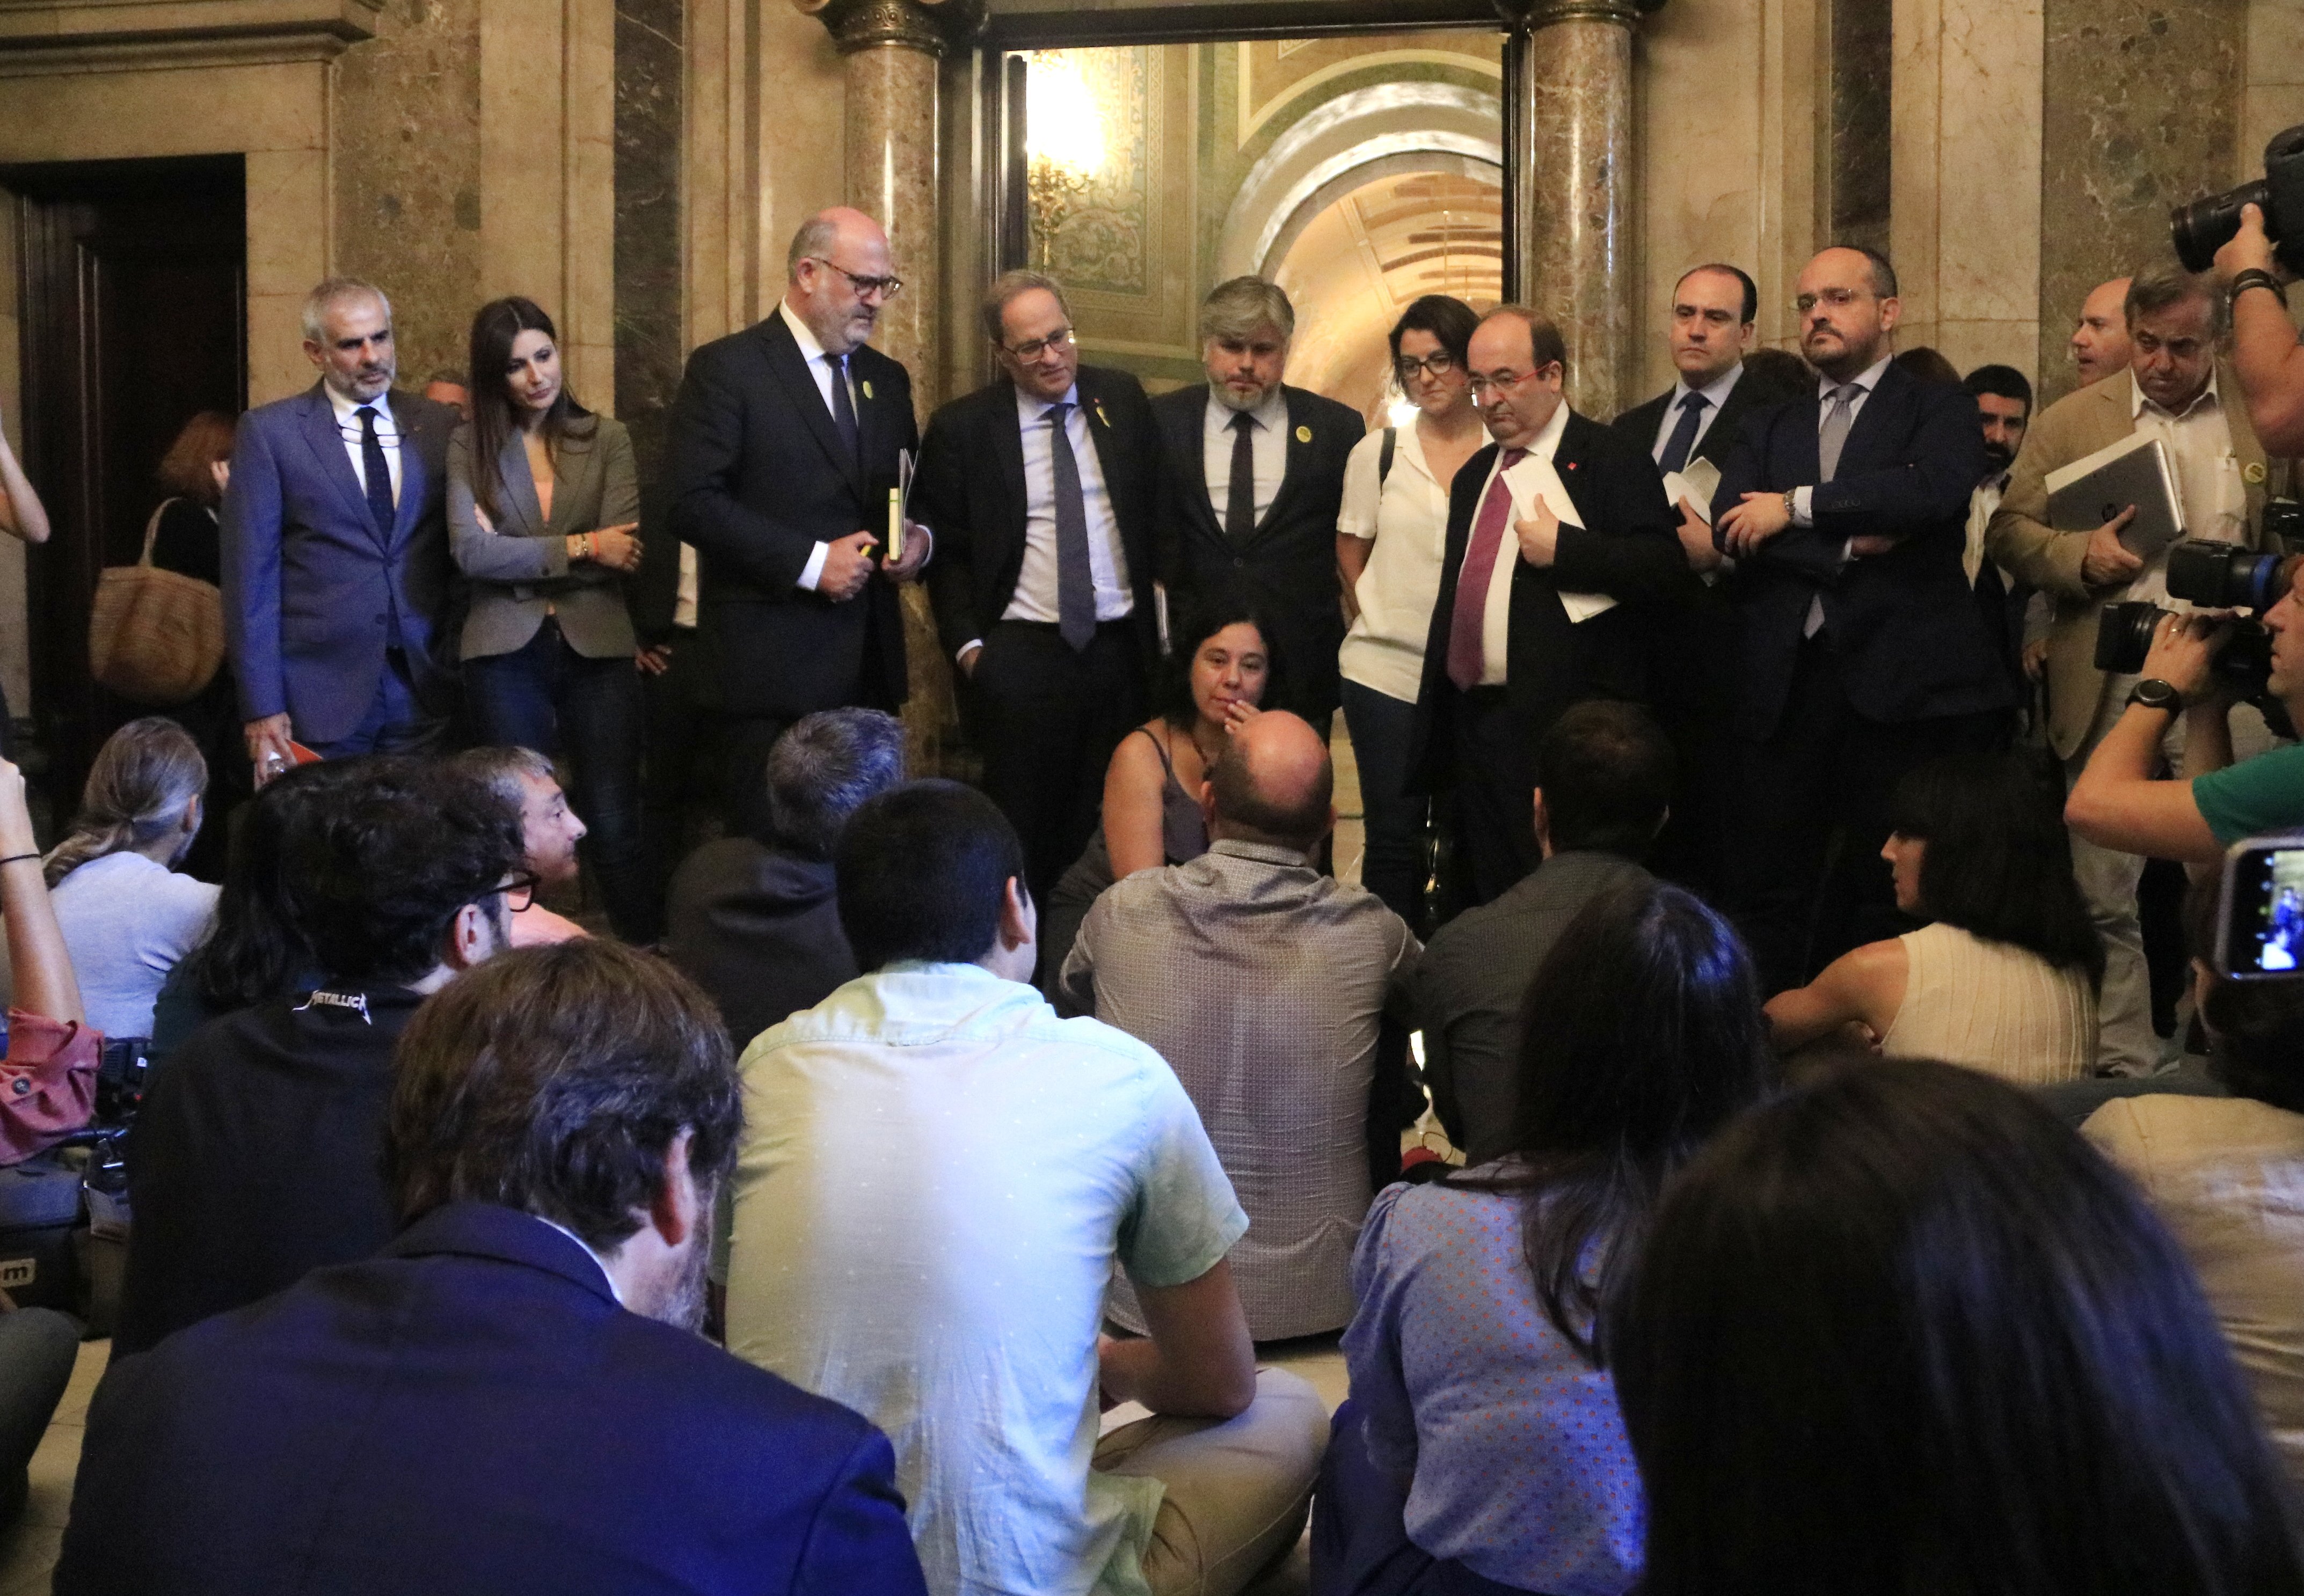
(1833, 436)
(379, 473)
(1467, 650)
(1683, 433)
(1075, 586)
(1240, 502)
(844, 408)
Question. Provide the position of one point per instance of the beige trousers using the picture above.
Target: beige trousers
(1237, 1491)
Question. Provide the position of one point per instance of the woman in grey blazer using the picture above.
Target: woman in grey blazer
(543, 503)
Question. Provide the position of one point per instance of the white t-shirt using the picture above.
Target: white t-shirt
(1407, 515)
(938, 1177)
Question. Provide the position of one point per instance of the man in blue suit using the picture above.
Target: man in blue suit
(511, 1398)
(1862, 653)
(336, 550)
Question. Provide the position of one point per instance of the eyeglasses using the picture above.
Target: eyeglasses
(518, 892)
(887, 288)
(1838, 298)
(1437, 365)
(1056, 342)
(1481, 382)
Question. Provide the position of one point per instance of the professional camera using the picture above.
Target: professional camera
(2215, 576)
(2204, 226)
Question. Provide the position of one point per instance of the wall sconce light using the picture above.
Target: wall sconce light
(1063, 143)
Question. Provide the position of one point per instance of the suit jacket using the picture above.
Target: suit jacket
(520, 567)
(979, 513)
(1902, 626)
(471, 1413)
(311, 587)
(1472, 979)
(1639, 424)
(758, 929)
(759, 477)
(1626, 548)
(2077, 425)
(1288, 569)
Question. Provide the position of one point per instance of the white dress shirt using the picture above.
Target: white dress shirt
(2198, 442)
(387, 434)
(1405, 518)
(1715, 392)
(1270, 435)
(1108, 561)
(1544, 483)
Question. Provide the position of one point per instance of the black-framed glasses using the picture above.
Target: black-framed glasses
(887, 288)
(518, 892)
(1435, 366)
(1029, 353)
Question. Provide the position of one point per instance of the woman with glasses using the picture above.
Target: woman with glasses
(543, 504)
(1390, 535)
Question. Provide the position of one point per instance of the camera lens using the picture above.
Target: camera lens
(2204, 226)
(2123, 636)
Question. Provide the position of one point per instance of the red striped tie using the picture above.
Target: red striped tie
(1466, 650)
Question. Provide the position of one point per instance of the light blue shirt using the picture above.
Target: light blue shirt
(938, 1177)
(126, 922)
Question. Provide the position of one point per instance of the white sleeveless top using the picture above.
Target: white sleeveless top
(1992, 1007)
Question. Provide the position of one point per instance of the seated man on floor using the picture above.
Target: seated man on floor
(512, 1398)
(254, 1157)
(938, 1177)
(753, 920)
(549, 832)
(1266, 984)
(1604, 777)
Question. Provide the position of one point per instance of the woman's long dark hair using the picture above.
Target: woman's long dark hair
(1640, 1034)
(1192, 624)
(1999, 862)
(1904, 1332)
(495, 328)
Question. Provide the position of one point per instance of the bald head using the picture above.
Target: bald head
(1273, 784)
(832, 249)
(2100, 346)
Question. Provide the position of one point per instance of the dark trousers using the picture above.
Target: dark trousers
(679, 782)
(1359, 1534)
(398, 721)
(1046, 720)
(745, 742)
(1806, 877)
(1492, 810)
(546, 697)
(38, 1347)
(1396, 821)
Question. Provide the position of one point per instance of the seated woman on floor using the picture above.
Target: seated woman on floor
(1480, 1451)
(2004, 980)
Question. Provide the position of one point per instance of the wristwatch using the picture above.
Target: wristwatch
(2154, 693)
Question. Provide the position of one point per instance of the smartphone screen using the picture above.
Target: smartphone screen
(2261, 933)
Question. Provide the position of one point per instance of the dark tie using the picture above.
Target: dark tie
(1466, 648)
(1075, 586)
(379, 473)
(1683, 433)
(1240, 502)
(844, 408)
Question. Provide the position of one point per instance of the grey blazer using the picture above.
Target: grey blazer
(522, 565)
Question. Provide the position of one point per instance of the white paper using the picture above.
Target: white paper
(1696, 484)
(1533, 480)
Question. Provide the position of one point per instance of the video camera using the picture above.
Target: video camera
(2205, 226)
(2218, 576)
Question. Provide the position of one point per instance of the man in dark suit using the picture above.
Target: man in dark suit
(1559, 547)
(755, 921)
(782, 453)
(1862, 652)
(336, 576)
(1042, 490)
(1254, 476)
(1713, 311)
(512, 1397)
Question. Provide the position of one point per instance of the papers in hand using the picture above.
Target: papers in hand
(1533, 480)
(1694, 485)
(2093, 489)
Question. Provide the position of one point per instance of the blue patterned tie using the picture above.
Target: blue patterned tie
(379, 473)
(1683, 433)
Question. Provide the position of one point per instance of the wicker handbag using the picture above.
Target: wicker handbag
(156, 637)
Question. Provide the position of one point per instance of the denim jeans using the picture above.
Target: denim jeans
(546, 697)
(1395, 818)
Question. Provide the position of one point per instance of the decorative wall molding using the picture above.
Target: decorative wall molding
(927, 25)
(38, 37)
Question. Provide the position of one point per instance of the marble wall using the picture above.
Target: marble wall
(2142, 113)
(649, 309)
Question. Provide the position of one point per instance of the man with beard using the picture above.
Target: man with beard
(2004, 405)
(511, 1397)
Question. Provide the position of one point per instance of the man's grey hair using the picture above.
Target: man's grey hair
(1244, 307)
(2158, 288)
(333, 292)
(823, 769)
(815, 238)
(1009, 286)
(499, 769)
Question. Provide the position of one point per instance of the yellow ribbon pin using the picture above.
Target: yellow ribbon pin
(1099, 412)
(1303, 435)
(868, 388)
(2254, 472)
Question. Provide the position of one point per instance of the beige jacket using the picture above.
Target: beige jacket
(2021, 541)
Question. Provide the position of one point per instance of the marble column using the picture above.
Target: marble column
(1568, 165)
(891, 50)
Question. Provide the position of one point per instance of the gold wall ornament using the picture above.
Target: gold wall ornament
(927, 25)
